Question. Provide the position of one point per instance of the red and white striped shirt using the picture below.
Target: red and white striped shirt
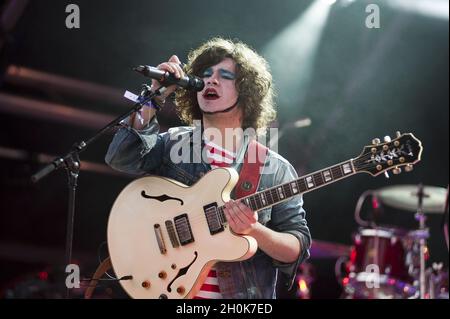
(218, 157)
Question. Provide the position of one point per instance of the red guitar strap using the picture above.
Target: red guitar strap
(249, 176)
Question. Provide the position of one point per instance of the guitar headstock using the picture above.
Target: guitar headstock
(378, 158)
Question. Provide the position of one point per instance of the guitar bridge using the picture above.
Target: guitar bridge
(159, 238)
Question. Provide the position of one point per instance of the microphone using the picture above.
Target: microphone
(189, 82)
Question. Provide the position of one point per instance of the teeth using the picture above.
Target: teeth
(211, 93)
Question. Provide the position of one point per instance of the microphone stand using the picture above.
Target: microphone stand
(71, 162)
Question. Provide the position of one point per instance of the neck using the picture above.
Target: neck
(224, 129)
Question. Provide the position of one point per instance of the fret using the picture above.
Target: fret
(327, 176)
(263, 199)
(336, 172)
(341, 172)
(294, 187)
(287, 190)
(280, 192)
(252, 203)
(258, 201)
(268, 201)
(275, 195)
(309, 182)
(318, 180)
(347, 168)
(248, 201)
(268, 192)
(302, 185)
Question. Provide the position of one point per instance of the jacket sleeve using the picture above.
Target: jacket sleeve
(290, 217)
(136, 152)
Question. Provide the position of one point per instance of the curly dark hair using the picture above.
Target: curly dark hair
(253, 82)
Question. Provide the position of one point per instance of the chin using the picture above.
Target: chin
(213, 109)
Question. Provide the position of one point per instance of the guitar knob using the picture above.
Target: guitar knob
(376, 141)
(409, 168)
(387, 138)
(397, 170)
(398, 134)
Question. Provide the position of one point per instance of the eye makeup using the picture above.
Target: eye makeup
(228, 75)
(224, 74)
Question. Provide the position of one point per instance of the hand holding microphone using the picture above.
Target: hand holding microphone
(170, 74)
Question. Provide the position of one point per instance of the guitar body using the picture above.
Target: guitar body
(140, 244)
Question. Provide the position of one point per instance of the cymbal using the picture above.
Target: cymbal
(405, 197)
(323, 249)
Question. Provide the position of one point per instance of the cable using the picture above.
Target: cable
(100, 261)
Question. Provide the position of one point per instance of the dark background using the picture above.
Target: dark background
(353, 83)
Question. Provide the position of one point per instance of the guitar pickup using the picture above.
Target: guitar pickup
(172, 235)
(183, 228)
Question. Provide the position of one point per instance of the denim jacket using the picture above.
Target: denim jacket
(148, 152)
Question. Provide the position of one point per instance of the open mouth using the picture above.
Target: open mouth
(210, 94)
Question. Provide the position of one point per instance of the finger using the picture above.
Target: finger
(174, 59)
(179, 69)
(239, 215)
(248, 213)
(174, 64)
(166, 67)
(228, 214)
(231, 214)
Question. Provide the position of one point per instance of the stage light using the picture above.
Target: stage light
(433, 8)
(291, 53)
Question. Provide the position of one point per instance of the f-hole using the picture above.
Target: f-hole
(182, 272)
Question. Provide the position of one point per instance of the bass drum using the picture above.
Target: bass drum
(378, 266)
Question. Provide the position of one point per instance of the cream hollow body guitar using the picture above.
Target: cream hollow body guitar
(164, 236)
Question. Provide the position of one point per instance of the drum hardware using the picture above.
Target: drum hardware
(389, 262)
(421, 200)
(437, 282)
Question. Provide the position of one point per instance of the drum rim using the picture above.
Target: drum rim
(376, 232)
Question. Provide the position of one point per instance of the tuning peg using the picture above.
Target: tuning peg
(409, 168)
(397, 170)
(376, 141)
(386, 174)
(387, 139)
(398, 134)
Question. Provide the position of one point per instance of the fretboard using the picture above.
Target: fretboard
(307, 183)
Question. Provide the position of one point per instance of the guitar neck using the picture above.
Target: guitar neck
(304, 184)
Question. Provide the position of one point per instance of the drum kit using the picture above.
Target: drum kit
(390, 262)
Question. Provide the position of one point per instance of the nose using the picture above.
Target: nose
(213, 79)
